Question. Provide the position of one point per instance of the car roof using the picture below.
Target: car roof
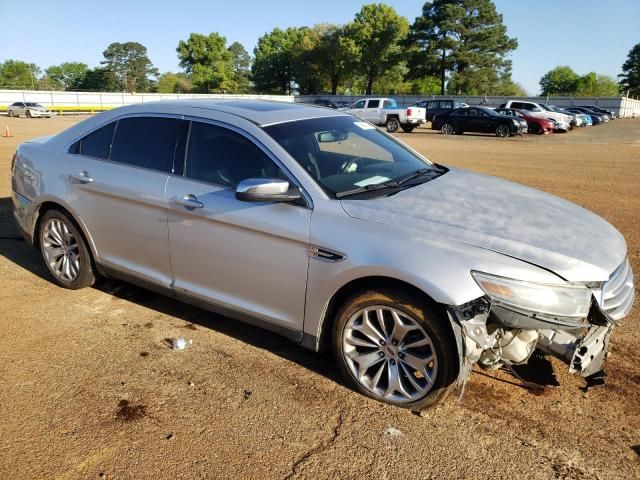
(260, 112)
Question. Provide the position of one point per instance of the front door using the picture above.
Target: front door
(248, 257)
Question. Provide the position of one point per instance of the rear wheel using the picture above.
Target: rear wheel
(502, 130)
(392, 125)
(447, 129)
(535, 129)
(65, 251)
(394, 348)
(407, 128)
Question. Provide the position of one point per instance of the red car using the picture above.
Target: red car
(537, 125)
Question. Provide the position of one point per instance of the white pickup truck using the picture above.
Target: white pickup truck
(385, 111)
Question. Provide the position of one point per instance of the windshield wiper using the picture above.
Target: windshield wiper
(396, 183)
(411, 176)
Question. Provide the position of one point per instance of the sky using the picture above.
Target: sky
(587, 35)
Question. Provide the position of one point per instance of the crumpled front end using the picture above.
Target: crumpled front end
(495, 334)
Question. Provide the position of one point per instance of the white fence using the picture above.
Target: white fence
(108, 100)
(622, 106)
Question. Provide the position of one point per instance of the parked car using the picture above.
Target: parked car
(581, 120)
(611, 114)
(325, 103)
(385, 111)
(606, 117)
(435, 107)
(478, 119)
(327, 230)
(535, 125)
(596, 118)
(29, 110)
(536, 110)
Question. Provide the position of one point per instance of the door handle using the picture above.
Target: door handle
(189, 201)
(82, 177)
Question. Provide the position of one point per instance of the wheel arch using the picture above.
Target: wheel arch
(354, 286)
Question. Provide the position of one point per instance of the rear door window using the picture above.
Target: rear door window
(432, 105)
(373, 104)
(447, 104)
(147, 142)
(97, 144)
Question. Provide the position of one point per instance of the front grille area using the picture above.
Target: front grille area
(618, 292)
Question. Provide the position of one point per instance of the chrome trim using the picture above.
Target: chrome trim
(325, 254)
(618, 292)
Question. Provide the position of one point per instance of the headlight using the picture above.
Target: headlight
(555, 300)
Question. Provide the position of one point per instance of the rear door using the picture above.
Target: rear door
(372, 111)
(117, 177)
(243, 256)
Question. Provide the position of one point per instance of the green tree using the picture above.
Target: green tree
(240, 68)
(170, 82)
(336, 54)
(464, 38)
(130, 65)
(630, 76)
(66, 76)
(19, 75)
(207, 61)
(594, 85)
(273, 64)
(561, 80)
(377, 32)
(99, 80)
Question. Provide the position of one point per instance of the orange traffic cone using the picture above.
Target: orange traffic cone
(7, 132)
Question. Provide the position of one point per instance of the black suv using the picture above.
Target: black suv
(435, 107)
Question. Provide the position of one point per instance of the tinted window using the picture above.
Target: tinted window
(147, 142)
(446, 104)
(96, 144)
(461, 112)
(432, 105)
(517, 105)
(373, 104)
(221, 156)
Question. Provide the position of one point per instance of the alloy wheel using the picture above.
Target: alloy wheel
(502, 131)
(61, 250)
(389, 354)
(447, 129)
(392, 125)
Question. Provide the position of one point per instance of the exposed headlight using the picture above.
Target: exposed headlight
(555, 300)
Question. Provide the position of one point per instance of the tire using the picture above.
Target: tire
(392, 125)
(502, 130)
(61, 241)
(536, 129)
(28, 114)
(434, 351)
(447, 129)
(11, 114)
(407, 128)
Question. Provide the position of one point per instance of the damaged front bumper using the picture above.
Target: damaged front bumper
(494, 335)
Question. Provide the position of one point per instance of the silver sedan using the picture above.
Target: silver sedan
(317, 225)
(29, 110)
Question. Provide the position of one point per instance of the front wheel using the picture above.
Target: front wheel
(11, 114)
(447, 129)
(65, 251)
(407, 128)
(393, 125)
(28, 114)
(535, 129)
(502, 130)
(394, 348)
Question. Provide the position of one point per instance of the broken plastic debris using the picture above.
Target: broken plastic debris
(393, 432)
(180, 343)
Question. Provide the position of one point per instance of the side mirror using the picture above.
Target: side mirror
(266, 190)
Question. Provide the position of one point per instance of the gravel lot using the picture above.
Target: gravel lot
(89, 388)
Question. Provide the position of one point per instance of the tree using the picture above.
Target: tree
(240, 68)
(377, 31)
(335, 54)
(18, 75)
(466, 38)
(130, 65)
(66, 76)
(273, 65)
(561, 80)
(207, 61)
(594, 85)
(630, 76)
(170, 82)
(99, 80)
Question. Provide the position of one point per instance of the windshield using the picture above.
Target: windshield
(32, 104)
(343, 153)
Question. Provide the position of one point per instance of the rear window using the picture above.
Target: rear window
(432, 105)
(97, 144)
(146, 142)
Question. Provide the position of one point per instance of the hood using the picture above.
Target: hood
(503, 217)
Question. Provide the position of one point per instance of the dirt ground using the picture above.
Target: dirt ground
(89, 389)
